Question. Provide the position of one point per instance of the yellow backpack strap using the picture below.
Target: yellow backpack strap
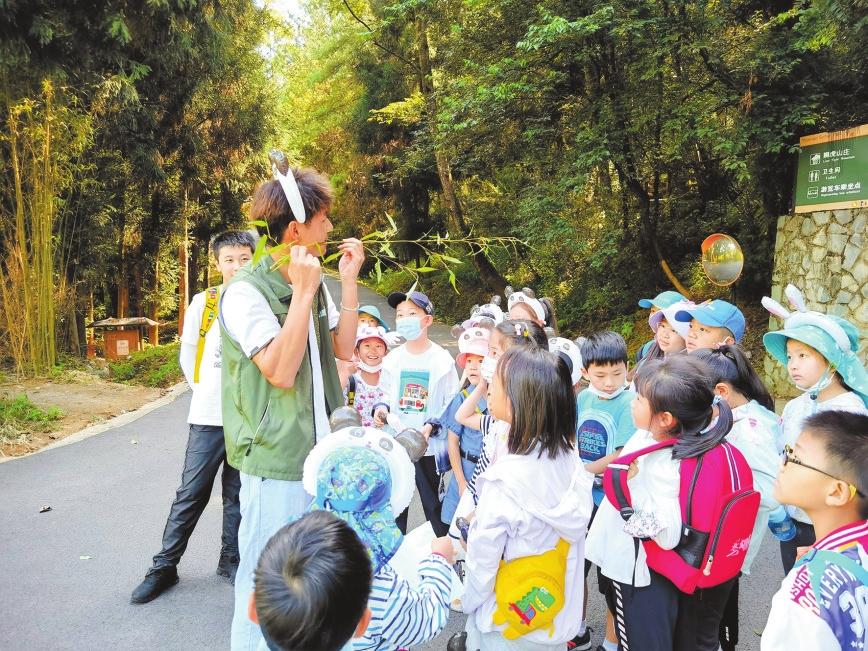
(464, 394)
(209, 316)
(351, 391)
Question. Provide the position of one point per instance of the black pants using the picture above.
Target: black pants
(206, 451)
(428, 485)
(728, 631)
(644, 617)
(659, 617)
(699, 617)
(804, 537)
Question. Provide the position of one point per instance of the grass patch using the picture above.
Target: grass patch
(155, 366)
(20, 417)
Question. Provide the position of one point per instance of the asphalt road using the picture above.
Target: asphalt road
(66, 574)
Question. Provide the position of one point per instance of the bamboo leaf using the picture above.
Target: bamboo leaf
(260, 252)
(452, 281)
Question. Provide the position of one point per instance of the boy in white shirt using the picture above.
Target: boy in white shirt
(419, 377)
(206, 450)
(822, 600)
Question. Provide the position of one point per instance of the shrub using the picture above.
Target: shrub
(155, 366)
(19, 416)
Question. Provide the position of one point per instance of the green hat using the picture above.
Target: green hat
(835, 338)
(373, 311)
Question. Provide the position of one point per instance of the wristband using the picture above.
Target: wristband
(351, 309)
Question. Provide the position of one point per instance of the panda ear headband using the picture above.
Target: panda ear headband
(803, 316)
(284, 176)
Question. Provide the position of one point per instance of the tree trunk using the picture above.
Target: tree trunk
(489, 275)
(154, 331)
(182, 273)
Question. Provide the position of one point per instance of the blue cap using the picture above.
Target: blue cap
(718, 314)
(662, 300)
(396, 298)
(374, 311)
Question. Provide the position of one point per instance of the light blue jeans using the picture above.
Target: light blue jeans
(266, 505)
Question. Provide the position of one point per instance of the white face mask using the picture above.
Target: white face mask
(367, 368)
(487, 368)
(604, 395)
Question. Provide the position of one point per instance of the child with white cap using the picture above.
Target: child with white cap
(659, 302)
(362, 389)
(569, 351)
(670, 334)
(464, 443)
(819, 351)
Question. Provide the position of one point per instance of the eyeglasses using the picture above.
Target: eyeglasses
(789, 457)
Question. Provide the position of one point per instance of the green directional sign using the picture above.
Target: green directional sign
(833, 170)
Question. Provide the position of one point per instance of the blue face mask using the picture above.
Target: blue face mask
(409, 327)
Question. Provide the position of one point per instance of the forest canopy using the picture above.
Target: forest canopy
(611, 137)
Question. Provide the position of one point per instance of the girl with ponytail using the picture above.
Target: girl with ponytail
(755, 430)
(675, 399)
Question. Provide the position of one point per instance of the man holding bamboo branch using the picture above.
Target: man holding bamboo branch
(281, 333)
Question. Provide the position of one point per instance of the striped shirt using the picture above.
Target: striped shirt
(402, 616)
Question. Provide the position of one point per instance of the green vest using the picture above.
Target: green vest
(269, 431)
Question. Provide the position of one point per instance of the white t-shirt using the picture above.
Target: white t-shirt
(205, 404)
(419, 387)
(249, 320)
(653, 490)
(794, 415)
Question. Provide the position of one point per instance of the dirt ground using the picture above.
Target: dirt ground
(83, 402)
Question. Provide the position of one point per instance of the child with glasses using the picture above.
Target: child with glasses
(820, 354)
(823, 601)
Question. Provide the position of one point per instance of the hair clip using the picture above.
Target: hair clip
(283, 175)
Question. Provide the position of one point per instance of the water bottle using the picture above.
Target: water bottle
(782, 526)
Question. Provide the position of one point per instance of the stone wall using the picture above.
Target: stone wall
(824, 254)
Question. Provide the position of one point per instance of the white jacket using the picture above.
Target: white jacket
(526, 504)
(754, 432)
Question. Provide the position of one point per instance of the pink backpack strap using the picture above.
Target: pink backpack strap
(615, 478)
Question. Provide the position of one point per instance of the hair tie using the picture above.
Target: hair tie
(713, 421)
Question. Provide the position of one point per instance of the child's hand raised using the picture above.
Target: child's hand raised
(444, 547)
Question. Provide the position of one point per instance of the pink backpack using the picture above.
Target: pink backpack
(718, 511)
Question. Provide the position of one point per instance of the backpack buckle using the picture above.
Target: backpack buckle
(626, 512)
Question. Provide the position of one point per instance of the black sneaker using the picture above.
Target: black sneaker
(156, 583)
(457, 642)
(228, 567)
(581, 642)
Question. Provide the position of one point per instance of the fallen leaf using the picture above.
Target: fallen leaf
(45, 508)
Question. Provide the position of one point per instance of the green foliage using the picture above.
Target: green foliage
(611, 137)
(155, 366)
(19, 416)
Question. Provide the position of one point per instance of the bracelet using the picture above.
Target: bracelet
(351, 309)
